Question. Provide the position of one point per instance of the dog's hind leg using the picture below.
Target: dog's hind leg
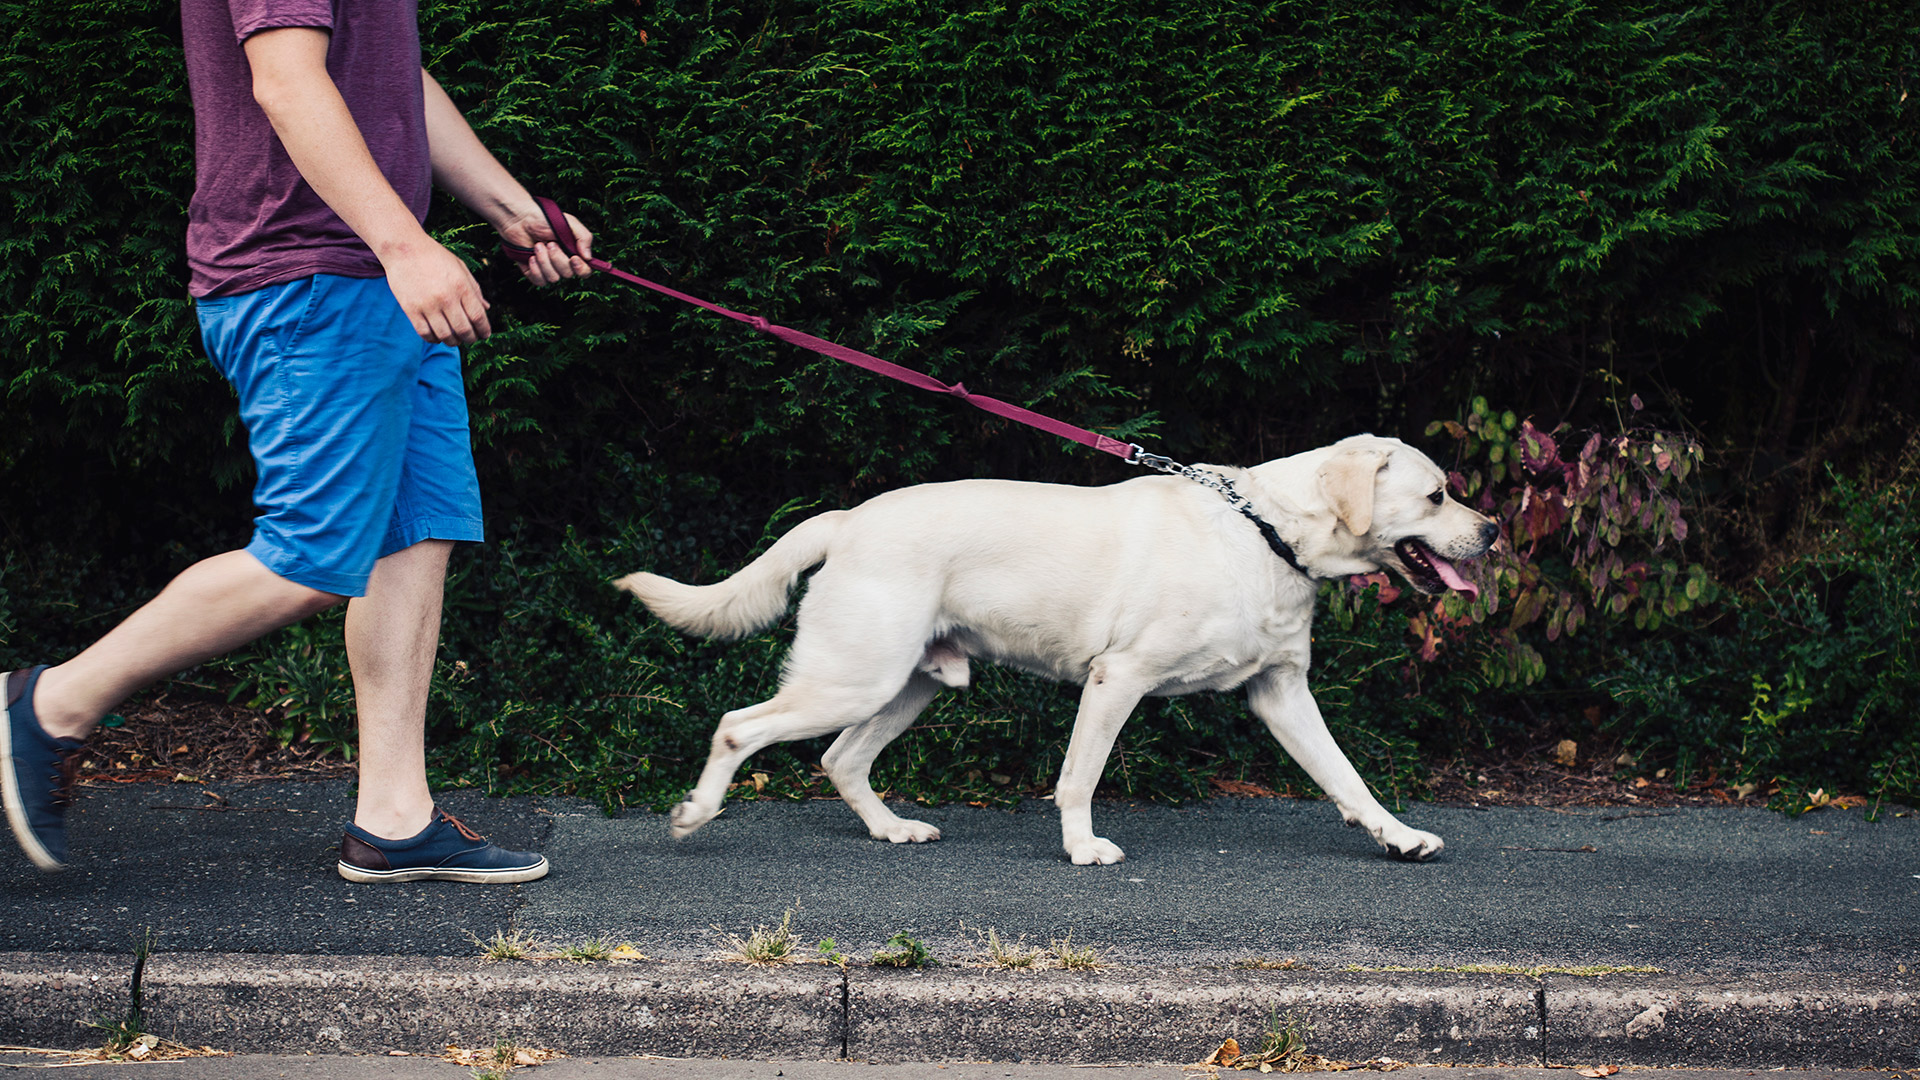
(850, 757)
(801, 710)
(1282, 701)
(859, 642)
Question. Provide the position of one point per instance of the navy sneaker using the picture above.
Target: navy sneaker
(446, 850)
(36, 773)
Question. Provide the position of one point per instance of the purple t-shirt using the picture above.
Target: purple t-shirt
(253, 220)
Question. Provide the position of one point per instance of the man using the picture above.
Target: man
(334, 315)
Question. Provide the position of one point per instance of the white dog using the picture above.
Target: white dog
(1154, 586)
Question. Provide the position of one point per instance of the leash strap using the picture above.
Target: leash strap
(563, 235)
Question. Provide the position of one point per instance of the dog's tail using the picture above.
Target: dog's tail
(752, 598)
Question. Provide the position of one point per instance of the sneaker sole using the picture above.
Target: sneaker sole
(10, 794)
(473, 877)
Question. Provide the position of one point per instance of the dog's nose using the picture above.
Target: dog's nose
(1489, 532)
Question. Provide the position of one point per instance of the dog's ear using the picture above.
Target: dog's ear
(1347, 482)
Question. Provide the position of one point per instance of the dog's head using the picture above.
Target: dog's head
(1372, 503)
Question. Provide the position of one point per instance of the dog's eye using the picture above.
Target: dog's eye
(1437, 498)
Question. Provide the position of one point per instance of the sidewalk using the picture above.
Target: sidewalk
(1779, 941)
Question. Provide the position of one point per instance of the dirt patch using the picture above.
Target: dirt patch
(1559, 772)
(173, 736)
(195, 737)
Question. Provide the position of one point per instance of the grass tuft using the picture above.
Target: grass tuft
(1283, 1048)
(504, 945)
(588, 951)
(1006, 955)
(1073, 957)
(764, 946)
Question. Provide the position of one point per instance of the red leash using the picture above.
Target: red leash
(563, 235)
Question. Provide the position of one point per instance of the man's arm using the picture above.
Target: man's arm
(434, 288)
(291, 84)
(464, 167)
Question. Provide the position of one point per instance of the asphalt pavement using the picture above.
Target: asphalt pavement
(336, 1067)
(1656, 937)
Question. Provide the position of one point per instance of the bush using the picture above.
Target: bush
(1172, 222)
(1240, 229)
(1809, 680)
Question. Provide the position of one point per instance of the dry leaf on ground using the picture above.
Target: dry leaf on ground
(149, 1048)
(493, 1057)
(1244, 788)
(1228, 1051)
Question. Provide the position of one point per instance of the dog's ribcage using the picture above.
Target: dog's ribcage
(1035, 586)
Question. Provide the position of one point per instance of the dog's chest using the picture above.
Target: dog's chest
(1196, 673)
(1232, 650)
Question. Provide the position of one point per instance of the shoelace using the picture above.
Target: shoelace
(65, 770)
(66, 765)
(460, 825)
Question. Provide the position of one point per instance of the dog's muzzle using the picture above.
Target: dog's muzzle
(1430, 572)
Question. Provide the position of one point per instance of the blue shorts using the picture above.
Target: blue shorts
(358, 427)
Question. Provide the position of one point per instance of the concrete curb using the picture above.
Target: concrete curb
(329, 1004)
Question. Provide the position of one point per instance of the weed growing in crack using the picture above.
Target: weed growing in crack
(586, 952)
(1282, 1043)
(902, 951)
(129, 1031)
(499, 1062)
(1283, 1048)
(1008, 956)
(496, 1062)
(504, 945)
(1585, 971)
(764, 946)
(1075, 957)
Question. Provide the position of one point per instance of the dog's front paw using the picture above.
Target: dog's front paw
(1414, 845)
(905, 831)
(1098, 851)
(687, 817)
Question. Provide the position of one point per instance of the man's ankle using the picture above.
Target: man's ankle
(49, 708)
(393, 824)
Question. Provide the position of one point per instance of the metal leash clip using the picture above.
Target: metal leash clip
(1139, 456)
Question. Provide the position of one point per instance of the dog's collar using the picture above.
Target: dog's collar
(1209, 479)
(1272, 537)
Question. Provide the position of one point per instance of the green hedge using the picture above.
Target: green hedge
(1142, 220)
(1230, 229)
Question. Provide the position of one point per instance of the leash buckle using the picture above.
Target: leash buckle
(1152, 461)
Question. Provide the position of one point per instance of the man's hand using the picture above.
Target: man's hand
(438, 293)
(464, 167)
(529, 229)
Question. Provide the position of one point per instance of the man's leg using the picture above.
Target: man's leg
(393, 633)
(213, 607)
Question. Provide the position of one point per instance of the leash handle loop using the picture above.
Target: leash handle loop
(557, 221)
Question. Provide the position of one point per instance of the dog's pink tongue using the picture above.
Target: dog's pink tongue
(1452, 577)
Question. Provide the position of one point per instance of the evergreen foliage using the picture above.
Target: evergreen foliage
(1231, 229)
